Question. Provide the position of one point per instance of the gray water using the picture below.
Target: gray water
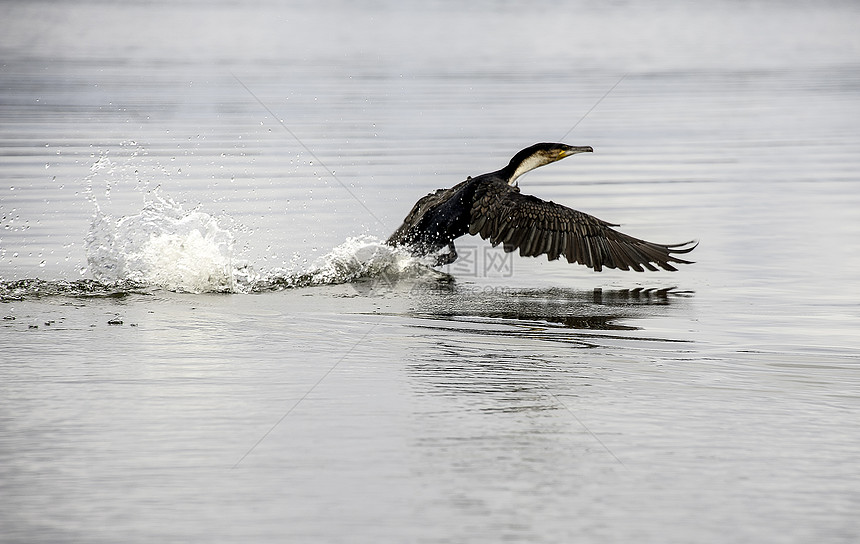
(203, 340)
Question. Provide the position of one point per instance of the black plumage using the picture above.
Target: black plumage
(491, 205)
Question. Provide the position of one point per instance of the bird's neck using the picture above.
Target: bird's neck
(519, 166)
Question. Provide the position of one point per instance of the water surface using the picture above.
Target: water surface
(203, 339)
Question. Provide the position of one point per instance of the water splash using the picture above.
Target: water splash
(167, 247)
(163, 246)
(357, 258)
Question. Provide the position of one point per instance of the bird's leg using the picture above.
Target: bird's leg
(447, 258)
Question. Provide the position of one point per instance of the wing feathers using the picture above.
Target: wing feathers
(503, 215)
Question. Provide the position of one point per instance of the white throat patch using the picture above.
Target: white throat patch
(528, 165)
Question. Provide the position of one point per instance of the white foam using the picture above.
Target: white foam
(363, 257)
(162, 246)
(166, 247)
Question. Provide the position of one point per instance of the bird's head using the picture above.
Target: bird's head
(538, 155)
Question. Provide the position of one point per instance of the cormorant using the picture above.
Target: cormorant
(492, 206)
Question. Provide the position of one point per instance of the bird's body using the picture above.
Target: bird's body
(437, 219)
(491, 205)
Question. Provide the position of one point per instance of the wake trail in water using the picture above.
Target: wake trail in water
(167, 247)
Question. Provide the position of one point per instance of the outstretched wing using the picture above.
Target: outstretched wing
(537, 227)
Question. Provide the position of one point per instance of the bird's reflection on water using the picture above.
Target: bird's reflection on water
(597, 309)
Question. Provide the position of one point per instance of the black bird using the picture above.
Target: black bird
(492, 206)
